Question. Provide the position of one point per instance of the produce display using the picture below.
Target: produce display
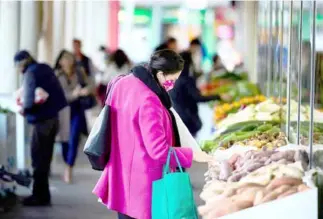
(253, 161)
(210, 88)
(251, 179)
(255, 133)
(264, 111)
(4, 110)
(269, 110)
(239, 166)
(236, 91)
(317, 133)
(221, 111)
(226, 199)
(221, 80)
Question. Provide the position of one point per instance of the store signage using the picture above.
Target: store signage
(141, 16)
(175, 15)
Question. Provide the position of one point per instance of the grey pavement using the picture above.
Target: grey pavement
(75, 201)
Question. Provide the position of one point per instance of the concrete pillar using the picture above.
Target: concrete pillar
(29, 26)
(58, 27)
(98, 28)
(183, 34)
(113, 22)
(9, 44)
(89, 29)
(29, 37)
(126, 27)
(156, 26)
(247, 36)
(70, 22)
(79, 19)
(45, 44)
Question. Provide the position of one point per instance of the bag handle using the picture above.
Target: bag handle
(166, 169)
(111, 85)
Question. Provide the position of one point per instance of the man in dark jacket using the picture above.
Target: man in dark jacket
(44, 119)
(185, 97)
(82, 60)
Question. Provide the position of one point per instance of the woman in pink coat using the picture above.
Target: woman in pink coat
(143, 130)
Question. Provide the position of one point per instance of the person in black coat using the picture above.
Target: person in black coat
(44, 120)
(185, 97)
(170, 43)
(193, 57)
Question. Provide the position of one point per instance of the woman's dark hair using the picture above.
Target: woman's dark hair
(171, 40)
(215, 58)
(167, 61)
(57, 65)
(58, 59)
(196, 42)
(120, 58)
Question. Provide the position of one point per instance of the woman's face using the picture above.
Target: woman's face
(66, 61)
(167, 81)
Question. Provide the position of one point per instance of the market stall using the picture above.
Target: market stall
(268, 148)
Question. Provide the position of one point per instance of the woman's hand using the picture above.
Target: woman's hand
(76, 91)
(201, 156)
(84, 92)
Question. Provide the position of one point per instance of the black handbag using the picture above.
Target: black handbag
(89, 101)
(98, 144)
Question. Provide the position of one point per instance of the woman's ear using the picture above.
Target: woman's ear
(160, 75)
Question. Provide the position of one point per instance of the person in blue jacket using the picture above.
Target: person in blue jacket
(44, 120)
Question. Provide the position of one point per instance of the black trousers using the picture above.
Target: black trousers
(42, 146)
(122, 216)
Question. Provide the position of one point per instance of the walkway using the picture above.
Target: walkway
(76, 201)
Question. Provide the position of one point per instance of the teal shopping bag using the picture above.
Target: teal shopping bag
(172, 196)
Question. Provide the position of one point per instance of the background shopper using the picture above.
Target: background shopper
(186, 96)
(170, 43)
(70, 76)
(194, 57)
(82, 60)
(44, 120)
(117, 64)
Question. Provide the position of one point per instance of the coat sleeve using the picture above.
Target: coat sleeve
(29, 87)
(154, 135)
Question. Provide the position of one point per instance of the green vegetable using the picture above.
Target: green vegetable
(264, 127)
(273, 130)
(227, 140)
(249, 127)
(245, 136)
(208, 146)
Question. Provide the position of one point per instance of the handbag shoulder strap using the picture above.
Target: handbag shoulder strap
(111, 85)
(81, 75)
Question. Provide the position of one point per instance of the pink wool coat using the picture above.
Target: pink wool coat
(141, 137)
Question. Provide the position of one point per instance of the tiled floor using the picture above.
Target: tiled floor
(76, 201)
